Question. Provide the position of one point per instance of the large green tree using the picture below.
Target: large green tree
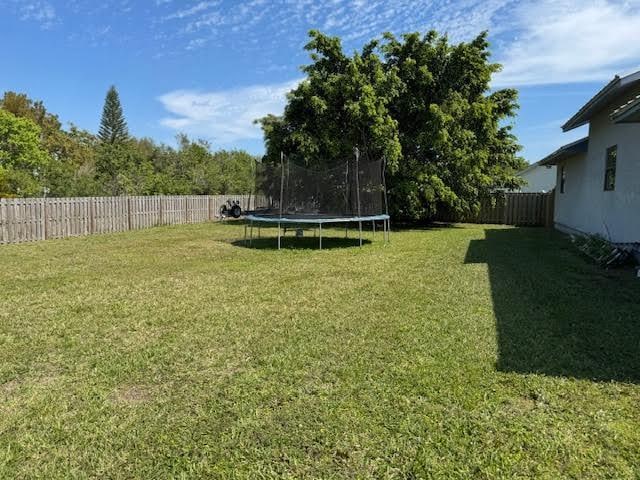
(456, 137)
(420, 102)
(113, 126)
(23, 161)
(343, 103)
(70, 169)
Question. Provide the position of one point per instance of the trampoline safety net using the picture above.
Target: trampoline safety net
(354, 188)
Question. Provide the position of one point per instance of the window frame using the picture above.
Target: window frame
(610, 167)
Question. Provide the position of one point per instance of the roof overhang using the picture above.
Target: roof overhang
(628, 113)
(616, 87)
(566, 151)
(532, 167)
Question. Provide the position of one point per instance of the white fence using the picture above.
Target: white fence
(32, 219)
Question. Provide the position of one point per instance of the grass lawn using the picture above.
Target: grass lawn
(463, 352)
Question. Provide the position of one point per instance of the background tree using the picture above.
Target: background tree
(113, 126)
(38, 155)
(23, 161)
(422, 103)
(70, 168)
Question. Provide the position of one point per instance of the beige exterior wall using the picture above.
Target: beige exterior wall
(585, 206)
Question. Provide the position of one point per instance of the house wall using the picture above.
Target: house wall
(539, 179)
(585, 206)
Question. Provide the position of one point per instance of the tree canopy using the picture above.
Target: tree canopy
(23, 161)
(422, 103)
(38, 156)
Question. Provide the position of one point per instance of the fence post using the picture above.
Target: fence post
(3, 222)
(92, 215)
(44, 218)
(128, 213)
(549, 208)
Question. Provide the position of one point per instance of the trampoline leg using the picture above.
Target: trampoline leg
(251, 233)
(384, 231)
(278, 235)
(360, 228)
(374, 228)
(258, 231)
(346, 230)
(320, 225)
(245, 233)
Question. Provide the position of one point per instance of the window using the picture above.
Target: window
(563, 178)
(610, 168)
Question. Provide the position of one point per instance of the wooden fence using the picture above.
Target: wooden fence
(526, 209)
(32, 219)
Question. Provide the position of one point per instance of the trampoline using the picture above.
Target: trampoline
(298, 198)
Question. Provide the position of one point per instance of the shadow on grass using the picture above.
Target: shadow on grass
(428, 226)
(557, 314)
(301, 243)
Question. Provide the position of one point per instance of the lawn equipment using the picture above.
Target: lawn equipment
(231, 209)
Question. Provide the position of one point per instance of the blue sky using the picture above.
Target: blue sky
(208, 68)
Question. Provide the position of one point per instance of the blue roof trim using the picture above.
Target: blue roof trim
(566, 151)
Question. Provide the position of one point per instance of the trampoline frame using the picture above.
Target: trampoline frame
(319, 220)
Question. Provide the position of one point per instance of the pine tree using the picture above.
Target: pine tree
(113, 126)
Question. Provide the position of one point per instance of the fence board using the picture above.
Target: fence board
(31, 219)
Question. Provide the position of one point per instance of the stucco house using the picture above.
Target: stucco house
(598, 177)
(539, 178)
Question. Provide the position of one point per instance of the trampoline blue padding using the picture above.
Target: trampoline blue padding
(314, 219)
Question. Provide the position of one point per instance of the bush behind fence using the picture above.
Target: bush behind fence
(32, 219)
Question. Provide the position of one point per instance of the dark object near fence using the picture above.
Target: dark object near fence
(231, 209)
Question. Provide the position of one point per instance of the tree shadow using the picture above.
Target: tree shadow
(556, 313)
(301, 243)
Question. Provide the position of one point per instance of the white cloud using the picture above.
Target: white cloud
(224, 116)
(569, 41)
(188, 12)
(41, 12)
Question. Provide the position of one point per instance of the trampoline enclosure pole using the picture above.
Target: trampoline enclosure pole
(384, 231)
(320, 228)
(357, 154)
(281, 180)
(278, 235)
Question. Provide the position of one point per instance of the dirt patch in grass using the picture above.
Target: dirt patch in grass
(10, 387)
(131, 395)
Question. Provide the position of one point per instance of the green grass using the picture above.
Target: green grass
(466, 352)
